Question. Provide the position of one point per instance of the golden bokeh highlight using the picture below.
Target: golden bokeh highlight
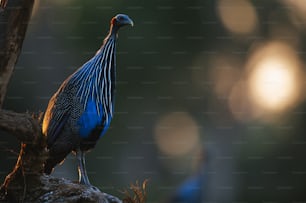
(274, 77)
(176, 134)
(238, 16)
(272, 83)
(297, 11)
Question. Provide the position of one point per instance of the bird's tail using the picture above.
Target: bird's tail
(51, 163)
(49, 166)
(54, 159)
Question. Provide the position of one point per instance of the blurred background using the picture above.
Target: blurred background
(210, 93)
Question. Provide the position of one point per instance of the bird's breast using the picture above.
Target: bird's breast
(92, 117)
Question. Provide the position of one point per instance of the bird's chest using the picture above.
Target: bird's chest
(92, 104)
(93, 117)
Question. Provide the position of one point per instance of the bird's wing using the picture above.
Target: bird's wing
(57, 114)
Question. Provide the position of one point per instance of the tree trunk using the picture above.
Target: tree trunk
(13, 25)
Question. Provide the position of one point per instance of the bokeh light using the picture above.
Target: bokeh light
(176, 134)
(297, 11)
(238, 16)
(274, 82)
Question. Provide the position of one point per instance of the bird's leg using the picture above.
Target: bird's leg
(83, 178)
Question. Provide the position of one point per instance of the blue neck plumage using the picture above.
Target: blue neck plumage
(97, 79)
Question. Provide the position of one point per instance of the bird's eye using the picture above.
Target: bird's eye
(120, 18)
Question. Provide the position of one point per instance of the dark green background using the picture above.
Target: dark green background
(249, 162)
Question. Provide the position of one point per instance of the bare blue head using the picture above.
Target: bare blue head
(119, 21)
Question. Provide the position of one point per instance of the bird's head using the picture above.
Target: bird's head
(121, 20)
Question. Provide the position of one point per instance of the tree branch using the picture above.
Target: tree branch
(27, 183)
(21, 125)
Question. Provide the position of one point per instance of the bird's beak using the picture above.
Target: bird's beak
(129, 22)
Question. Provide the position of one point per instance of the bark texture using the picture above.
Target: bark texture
(27, 183)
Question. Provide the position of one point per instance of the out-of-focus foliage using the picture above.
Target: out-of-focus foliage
(136, 193)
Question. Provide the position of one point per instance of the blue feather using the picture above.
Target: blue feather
(90, 119)
(106, 126)
(191, 190)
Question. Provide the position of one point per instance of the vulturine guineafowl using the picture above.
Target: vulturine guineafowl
(81, 110)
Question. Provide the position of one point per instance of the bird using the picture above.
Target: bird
(80, 111)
